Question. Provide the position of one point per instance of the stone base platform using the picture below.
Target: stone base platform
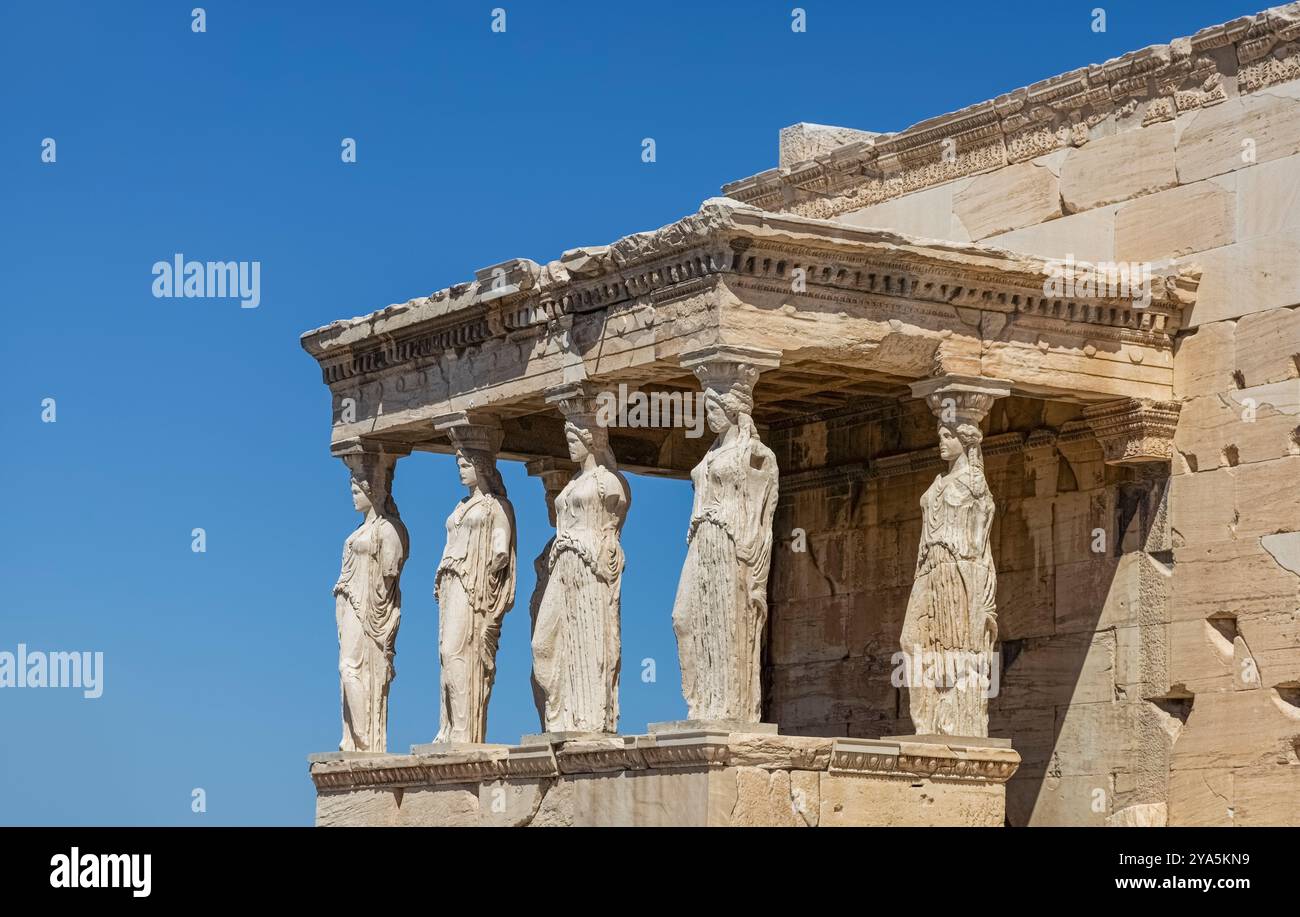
(696, 778)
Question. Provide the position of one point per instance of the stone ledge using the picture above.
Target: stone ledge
(699, 778)
(987, 760)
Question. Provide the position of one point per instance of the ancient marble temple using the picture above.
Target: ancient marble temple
(996, 520)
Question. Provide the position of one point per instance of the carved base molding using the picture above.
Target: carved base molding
(700, 777)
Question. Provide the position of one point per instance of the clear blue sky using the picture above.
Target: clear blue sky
(473, 147)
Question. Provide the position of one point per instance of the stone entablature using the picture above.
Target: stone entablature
(840, 302)
(1143, 87)
(724, 239)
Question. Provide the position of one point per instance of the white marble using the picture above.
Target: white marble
(474, 586)
(952, 613)
(368, 604)
(576, 639)
(554, 475)
(720, 611)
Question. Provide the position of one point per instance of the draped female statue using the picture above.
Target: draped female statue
(554, 476)
(474, 587)
(576, 644)
(950, 626)
(721, 607)
(367, 606)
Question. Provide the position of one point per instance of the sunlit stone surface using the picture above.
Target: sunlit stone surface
(1024, 387)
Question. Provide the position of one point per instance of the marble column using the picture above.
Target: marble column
(576, 640)
(554, 474)
(950, 627)
(720, 613)
(475, 581)
(367, 596)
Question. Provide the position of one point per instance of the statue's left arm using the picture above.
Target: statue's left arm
(503, 537)
(391, 552)
(754, 547)
(502, 564)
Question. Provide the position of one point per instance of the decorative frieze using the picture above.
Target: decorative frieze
(745, 246)
(1150, 85)
(955, 760)
(693, 750)
(898, 757)
(531, 762)
(1269, 52)
(389, 771)
(600, 756)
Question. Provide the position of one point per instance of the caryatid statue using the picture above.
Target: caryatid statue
(554, 473)
(368, 599)
(720, 612)
(474, 584)
(576, 641)
(950, 626)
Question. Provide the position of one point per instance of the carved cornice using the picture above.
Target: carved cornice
(1134, 431)
(864, 757)
(697, 752)
(956, 276)
(618, 753)
(531, 761)
(745, 246)
(1140, 88)
(959, 760)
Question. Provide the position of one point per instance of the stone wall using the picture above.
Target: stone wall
(1162, 680)
(1083, 582)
